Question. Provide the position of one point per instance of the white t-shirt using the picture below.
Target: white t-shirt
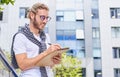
(24, 45)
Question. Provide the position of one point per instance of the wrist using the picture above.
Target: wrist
(44, 53)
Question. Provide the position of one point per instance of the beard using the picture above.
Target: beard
(36, 24)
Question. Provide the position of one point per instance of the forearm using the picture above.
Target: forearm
(27, 63)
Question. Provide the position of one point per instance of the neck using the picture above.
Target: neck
(34, 30)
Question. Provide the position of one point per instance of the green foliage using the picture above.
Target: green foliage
(7, 2)
(7, 54)
(2, 2)
(69, 67)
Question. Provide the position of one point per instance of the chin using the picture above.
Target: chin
(40, 29)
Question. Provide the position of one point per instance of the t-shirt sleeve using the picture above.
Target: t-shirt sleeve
(19, 44)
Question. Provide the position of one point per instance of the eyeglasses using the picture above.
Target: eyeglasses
(42, 17)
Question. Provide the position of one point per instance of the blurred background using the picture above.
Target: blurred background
(91, 28)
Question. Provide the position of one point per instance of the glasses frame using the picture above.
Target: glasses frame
(43, 17)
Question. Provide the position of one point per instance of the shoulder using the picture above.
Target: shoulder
(19, 36)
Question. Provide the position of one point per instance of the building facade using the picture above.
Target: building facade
(91, 29)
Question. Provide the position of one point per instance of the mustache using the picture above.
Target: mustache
(36, 24)
(41, 22)
(44, 23)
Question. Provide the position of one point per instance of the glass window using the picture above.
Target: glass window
(96, 32)
(79, 1)
(23, 12)
(79, 34)
(59, 16)
(1, 15)
(116, 52)
(20, 27)
(69, 16)
(95, 14)
(115, 32)
(71, 52)
(117, 72)
(80, 53)
(79, 15)
(96, 53)
(95, 4)
(97, 73)
(115, 13)
(60, 34)
(83, 72)
(70, 35)
(65, 35)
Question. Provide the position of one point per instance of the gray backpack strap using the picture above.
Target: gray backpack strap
(13, 59)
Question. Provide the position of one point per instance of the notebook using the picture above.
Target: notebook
(47, 60)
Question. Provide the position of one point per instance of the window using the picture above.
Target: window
(69, 15)
(115, 32)
(66, 35)
(96, 33)
(97, 53)
(71, 52)
(59, 16)
(95, 14)
(80, 53)
(23, 12)
(79, 34)
(115, 13)
(79, 15)
(1, 15)
(117, 72)
(97, 73)
(83, 72)
(116, 52)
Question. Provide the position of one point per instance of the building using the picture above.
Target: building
(91, 28)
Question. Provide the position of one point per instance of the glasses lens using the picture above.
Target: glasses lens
(44, 17)
(48, 18)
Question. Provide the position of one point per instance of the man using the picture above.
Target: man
(27, 53)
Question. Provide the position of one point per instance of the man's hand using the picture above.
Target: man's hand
(53, 48)
(57, 59)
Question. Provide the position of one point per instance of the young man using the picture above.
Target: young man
(27, 53)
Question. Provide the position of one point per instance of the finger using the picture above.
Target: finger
(57, 46)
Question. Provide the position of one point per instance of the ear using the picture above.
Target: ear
(32, 15)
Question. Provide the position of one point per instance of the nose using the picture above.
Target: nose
(45, 20)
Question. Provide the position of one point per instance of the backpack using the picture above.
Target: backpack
(35, 41)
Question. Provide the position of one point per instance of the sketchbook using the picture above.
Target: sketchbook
(47, 60)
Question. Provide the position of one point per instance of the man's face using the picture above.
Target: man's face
(40, 19)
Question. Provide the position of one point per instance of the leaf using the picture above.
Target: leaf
(1, 8)
(69, 67)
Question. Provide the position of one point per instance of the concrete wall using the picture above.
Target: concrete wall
(107, 42)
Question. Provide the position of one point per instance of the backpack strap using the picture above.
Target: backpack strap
(13, 59)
